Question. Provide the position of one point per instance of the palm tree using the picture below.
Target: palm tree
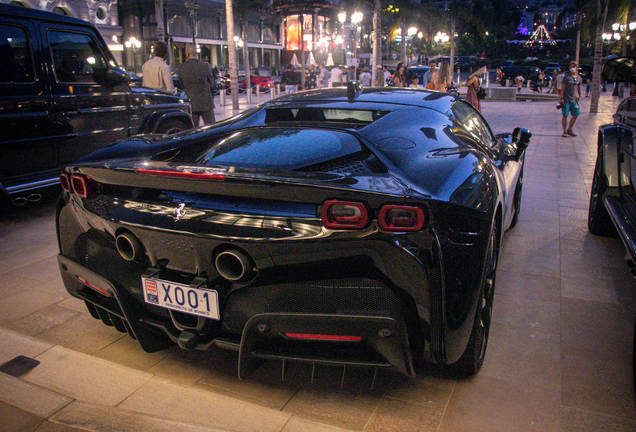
(231, 50)
(601, 14)
(377, 39)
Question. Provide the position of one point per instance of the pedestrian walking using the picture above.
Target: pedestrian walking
(336, 76)
(197, 81)
(365, 77)
(399, 78)
(443, 78)
(310, 77)
(323, 77)
(473, 85)
(156, 72)
(569, 98)
(428, 76)
(559, 81)
(290, 80)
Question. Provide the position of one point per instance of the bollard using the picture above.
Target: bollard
(222, 94)
(272, 91)
(248, 95)
(507, 83)
(278, 89)
(258, 90)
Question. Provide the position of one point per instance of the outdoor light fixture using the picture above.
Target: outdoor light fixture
(356, 17)
(441, 37)
(632, 25)
(342, 17)
(132, 43)
(411, 31)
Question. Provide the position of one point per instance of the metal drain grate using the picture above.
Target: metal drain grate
(19, 366)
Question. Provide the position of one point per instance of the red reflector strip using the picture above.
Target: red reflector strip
(181, 174)
(323, 337)
(93, 286)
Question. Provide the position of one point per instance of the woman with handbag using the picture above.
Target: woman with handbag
(474, 86)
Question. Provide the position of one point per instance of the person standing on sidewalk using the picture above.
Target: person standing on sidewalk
(289, 80)
(196, 79)
(156, 72)
(570, 97)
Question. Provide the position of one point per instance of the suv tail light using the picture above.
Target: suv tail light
(401, 218)
(337, 214)
(83, 186)
(65, 182)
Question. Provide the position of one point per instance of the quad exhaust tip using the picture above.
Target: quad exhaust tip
(235, 265)
(129, 247)
(24, 200)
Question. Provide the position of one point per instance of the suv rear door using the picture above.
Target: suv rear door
(92, 112)
(25, 146)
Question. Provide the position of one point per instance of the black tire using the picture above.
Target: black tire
(171, 126)
(517, 200)
(473, 357)
(598, 220)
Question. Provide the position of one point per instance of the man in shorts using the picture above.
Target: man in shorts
(570, 97)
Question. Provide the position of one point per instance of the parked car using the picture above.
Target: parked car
(612, 210)
(62, 97)
(420, 71)
(263, 82)
(552, 67)
(342, 226)
(531, 73)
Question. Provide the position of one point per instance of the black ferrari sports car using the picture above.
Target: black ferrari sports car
(342, 226)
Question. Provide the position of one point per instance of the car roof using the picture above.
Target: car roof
(25, 12)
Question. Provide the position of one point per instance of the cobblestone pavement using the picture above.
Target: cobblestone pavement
(559, 357)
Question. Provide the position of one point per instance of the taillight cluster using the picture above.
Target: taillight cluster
(336, 214)
(78, 184)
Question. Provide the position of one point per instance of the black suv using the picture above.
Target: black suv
(62, 96)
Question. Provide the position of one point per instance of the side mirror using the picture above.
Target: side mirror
(113, 75)
(619, 70)
(354, 88)
(521, 137)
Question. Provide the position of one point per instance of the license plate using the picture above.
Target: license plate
(182, 298)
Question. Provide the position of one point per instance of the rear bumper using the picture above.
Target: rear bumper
(297, 332)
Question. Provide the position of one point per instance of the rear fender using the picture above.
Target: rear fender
(152, 122)
(616, 140)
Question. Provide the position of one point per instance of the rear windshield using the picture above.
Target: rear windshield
(276, 148)
(335, 115)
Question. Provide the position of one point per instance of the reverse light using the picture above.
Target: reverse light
(83, 186)
(65, 182)
(401, 218)
(323, 337)
(337, 214)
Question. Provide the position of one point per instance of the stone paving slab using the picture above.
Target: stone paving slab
(84, 377)
(30, 397)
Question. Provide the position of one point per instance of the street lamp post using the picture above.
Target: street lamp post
(133, 44)
(192, 7)
(356, 19)
(620, 33)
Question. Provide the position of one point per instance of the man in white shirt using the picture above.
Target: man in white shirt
(365, 77)
(428, 76)
(336, 76)
(156, 72)
(323, 77)
(387, 75)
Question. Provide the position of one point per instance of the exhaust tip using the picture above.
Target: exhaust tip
(235, 265)
(128, 246)
(19, 201)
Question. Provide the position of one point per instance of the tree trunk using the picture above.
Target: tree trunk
(452, 49)
(579, 20)
(376, 58)
(231, 50)
(601, 14)
(403, 38)
(246, 55)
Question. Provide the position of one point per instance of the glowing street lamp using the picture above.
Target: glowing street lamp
(133, 44)
(441, 37)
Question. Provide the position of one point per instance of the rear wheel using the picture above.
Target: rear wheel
(473, 358)
(170, 127)
(598, 220)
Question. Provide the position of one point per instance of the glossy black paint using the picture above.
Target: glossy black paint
(416, 153)
(51, 121)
